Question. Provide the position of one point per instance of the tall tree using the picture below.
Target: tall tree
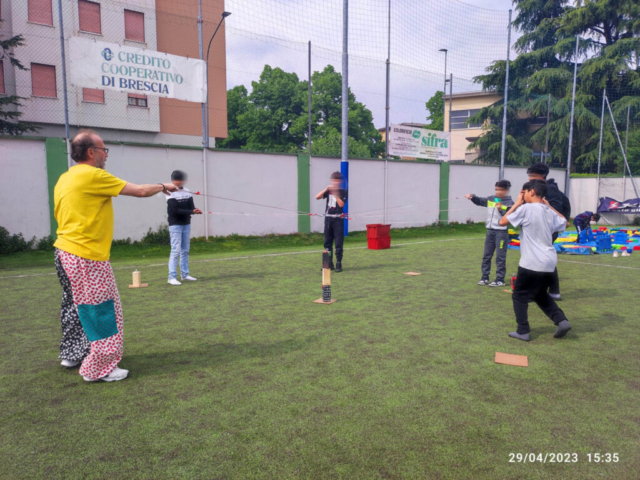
(10, 123)
(609, 29)
(435, 106)
(274, 116)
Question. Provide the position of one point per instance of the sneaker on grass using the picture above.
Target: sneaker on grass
(520, 336)
(189, 278)
(117, 374)
(497, 283)
(69, 363)
(174, 282)
(484, 281)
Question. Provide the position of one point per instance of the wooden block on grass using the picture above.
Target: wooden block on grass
(413, 274)
(333, 300)
(509, 359)
(142, 285)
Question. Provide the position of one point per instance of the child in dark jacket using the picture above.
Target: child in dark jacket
(583, 224)
(497, 238)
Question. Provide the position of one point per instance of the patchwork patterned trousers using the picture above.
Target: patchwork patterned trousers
(91, 314)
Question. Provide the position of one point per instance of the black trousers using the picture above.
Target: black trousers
(554, 287)
(532, 287)
(334, 231)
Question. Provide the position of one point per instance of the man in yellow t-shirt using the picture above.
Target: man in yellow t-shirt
(91, 313)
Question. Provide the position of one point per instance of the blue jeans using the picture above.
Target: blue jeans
(180, 241)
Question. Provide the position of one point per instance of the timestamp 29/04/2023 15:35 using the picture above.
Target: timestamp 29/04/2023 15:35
(563, 457)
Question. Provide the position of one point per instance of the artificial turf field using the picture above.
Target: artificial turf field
(240, 376)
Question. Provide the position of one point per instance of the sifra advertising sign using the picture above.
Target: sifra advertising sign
(110, 66)
(419, 143)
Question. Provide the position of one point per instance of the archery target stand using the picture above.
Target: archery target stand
(326, 281)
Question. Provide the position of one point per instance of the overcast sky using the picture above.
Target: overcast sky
(276, 32)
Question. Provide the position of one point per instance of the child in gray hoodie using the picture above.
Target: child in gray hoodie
(497, 238)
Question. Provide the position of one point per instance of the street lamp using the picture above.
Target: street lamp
(224, 15)
(444, 90)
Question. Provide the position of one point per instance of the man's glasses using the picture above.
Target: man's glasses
(106, 150)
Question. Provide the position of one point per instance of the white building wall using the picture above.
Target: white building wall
(24, 193)
(43, 46)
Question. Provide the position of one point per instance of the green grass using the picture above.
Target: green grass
(240, 376)
(236, 244)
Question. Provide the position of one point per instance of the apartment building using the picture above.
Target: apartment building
(463, 107)
(162, 25)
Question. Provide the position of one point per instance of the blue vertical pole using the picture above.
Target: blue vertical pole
(344, 170)
(344, 165)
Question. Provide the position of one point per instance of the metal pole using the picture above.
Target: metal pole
(450, 100)
(546, 143)
(506, 101)
(386, 156)
(206, 117)
(204, 125)
(567, 180)
(201, 52)
(626, 150)
(624, 154)
(444, 90)
(309, 106)
(604, 94)
(64, 85)
(344, 164)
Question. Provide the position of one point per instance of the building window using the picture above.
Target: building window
(2, 90)
(459, 119)
(89, 16)
(134, 26)
(92, 95)
(43, 80)
(136, 100)
(40, 11)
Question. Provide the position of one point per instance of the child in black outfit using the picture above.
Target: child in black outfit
(336, 196)
(538, 221)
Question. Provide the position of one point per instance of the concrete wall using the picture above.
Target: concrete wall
(135, 216)
(23, 188)
(268, 180)
(256, 178)
(480, 180)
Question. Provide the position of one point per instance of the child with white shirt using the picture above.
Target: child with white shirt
(538, 258)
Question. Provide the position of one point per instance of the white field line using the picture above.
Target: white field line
(248, 257)
(600, 264)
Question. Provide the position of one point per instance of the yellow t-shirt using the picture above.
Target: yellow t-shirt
(84, 212)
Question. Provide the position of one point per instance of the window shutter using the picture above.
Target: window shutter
(89, 16)
(134, 25)
(93, 95)
(40, 11)
(43, 80)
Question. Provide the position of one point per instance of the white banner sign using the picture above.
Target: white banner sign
(111, 66)
(419, 143)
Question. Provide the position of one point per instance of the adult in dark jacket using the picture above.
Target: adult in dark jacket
(560, 203)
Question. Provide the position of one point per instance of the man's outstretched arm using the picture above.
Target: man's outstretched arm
(147, 190)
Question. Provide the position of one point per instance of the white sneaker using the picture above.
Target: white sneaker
(625, 253)
(190, 278)
(615, 254)
(117, 374)
(69, 363)
(174, 282)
